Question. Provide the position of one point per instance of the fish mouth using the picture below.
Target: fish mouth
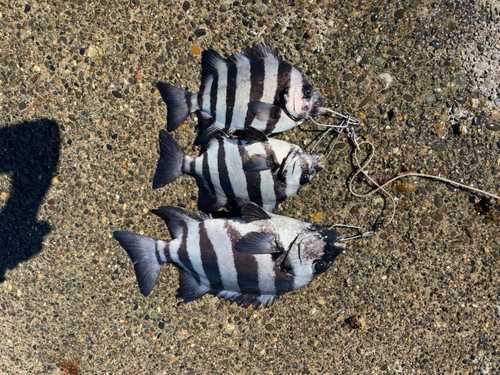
(316, 156)
(319, 167)
(316, 109)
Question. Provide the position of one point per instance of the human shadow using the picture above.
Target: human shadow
(29, 153)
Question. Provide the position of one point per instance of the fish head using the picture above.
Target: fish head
(299, 167)
(312, 253)
(300, 99)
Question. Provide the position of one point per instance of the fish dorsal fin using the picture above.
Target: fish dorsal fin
(211, 64)
(189, 289)
(258, 243)
(177, 218)
(264, 111)
(257, 51)
(251, 212)
(254, 135)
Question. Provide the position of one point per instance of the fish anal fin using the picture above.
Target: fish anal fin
(208, 128)
(208, 201)
(254, 135)
(257, 243)
(189, 290)
(251, 212)
(247, 299)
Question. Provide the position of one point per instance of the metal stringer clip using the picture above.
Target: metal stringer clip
(347, 123)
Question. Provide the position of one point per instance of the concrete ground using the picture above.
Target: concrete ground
(80, 116)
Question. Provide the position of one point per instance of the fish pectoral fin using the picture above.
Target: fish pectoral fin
(259, 162)
(254, 135)
(251, 212)
(189, 290)
(258, 243)
(264, 111)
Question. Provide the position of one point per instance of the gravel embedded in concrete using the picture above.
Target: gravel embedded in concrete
(78, 149)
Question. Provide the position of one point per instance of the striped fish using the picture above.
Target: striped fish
(231, 172)
(254, 87)
(248, 260)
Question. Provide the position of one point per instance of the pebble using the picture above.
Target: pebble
(185, 6)
(495, 56)
(430, 98)
(348, 77)
(460, 80)
(383, 235)
(399, 14)
(425, 221)
(476, 120)
(117, 94)
(22, 105)
(437, 216)
(438, 201)
(434, 44)
(493, 127)
(269, 327)
(92, 51)
(379, 61)
(195, 50)
(482, 65)
(200, 32)
(385, 79)
(408, 97)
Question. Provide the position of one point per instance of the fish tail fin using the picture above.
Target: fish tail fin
(180, 104)
(208, 128)
(147, 254)
(170, 165)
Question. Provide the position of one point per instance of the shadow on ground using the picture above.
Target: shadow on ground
(29, 153)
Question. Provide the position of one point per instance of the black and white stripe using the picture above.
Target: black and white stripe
(205, 251)
(224, 178)
(257, 74)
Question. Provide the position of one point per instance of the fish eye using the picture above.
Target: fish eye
(304, 179)
(320, 266)
(307, 92)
